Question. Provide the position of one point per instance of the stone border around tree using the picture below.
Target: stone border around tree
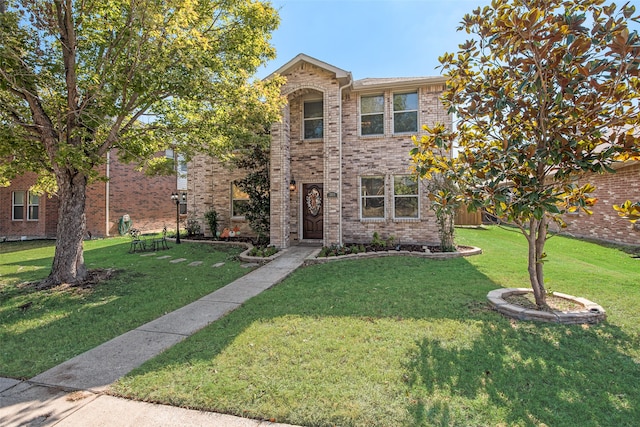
(466, 251)
(591, 314)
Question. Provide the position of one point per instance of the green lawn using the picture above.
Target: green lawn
(39, 330)
(410, 342)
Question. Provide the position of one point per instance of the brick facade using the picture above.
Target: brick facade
(337, 160)
(147, 200)
(605, 224)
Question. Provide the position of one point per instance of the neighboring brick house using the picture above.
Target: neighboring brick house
(605, 224)
(340, 163)
(147, 200)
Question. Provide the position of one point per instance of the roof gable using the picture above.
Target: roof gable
(286, 68)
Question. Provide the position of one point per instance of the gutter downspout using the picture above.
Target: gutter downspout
(106, 225)
(342, 88)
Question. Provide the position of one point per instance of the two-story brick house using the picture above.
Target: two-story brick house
(340, 163)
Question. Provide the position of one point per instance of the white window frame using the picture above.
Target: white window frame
(381, 113)
(306, 119)
(394, 112)
(233, 199)
(31, 204)
(14, 205)
(363, 197)
(407, 196)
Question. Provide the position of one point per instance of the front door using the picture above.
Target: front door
(312, 202)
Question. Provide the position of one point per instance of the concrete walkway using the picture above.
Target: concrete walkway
(72, 393)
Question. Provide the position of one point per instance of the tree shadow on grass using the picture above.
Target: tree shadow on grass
(528, 374)
(513, 373)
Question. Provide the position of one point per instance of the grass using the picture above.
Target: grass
(410, 342)
(40, 329)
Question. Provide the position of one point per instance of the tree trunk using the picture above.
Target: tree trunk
(536, 238)
(68, 262)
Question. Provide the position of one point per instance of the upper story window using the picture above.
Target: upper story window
(405, 196)
(405, 112)
(372, 197)
(33, 208)
(372, 115)
(313, 119)
(17, 205)
(239, 201)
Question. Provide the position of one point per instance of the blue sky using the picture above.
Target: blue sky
(371, 38)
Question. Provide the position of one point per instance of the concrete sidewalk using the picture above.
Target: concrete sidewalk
(71, 394)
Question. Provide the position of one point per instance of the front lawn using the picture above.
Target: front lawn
(403, 341)
(40, 329)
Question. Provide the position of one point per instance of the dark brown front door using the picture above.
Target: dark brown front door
(313, 204)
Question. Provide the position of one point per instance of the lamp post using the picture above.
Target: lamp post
(176, 198)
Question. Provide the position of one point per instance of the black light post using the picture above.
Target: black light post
(176, 197)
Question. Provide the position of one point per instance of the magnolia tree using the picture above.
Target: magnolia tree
(545, 91)
(78, 79)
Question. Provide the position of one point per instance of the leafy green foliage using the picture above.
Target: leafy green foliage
(78, 79)
(545, 91)
(255, 160)
(211, 216)
(629, 211)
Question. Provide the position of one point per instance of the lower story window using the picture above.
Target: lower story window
(372, 197)
(239, 201)
(17, 205)
(405, 196)
(33, 209)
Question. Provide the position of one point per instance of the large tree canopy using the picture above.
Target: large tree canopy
(545, 91)
(79, 78)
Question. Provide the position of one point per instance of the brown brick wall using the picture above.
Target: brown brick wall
(146, 199)
(604, 224)
(16, 229)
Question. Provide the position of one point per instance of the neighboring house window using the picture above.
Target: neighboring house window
(239, 201)
(17, 204)
(372, 196)
(405, 112)
(33, 209)
(183, 205)
(313, 120)
(372, 115)
(405, 196)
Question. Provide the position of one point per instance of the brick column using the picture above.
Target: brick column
(280, 175)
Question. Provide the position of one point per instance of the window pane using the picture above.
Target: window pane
(238, 194)
(405, 101)
(313, 129)
(33, 212)
(405, 122)
(373, 186)
(405, 185)
(18, 197)
(18, 212)
(372, 124)
(313, 109)
(372, 104)
(239, 207)
(373, 207)
(406, 207)
(18, 205)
